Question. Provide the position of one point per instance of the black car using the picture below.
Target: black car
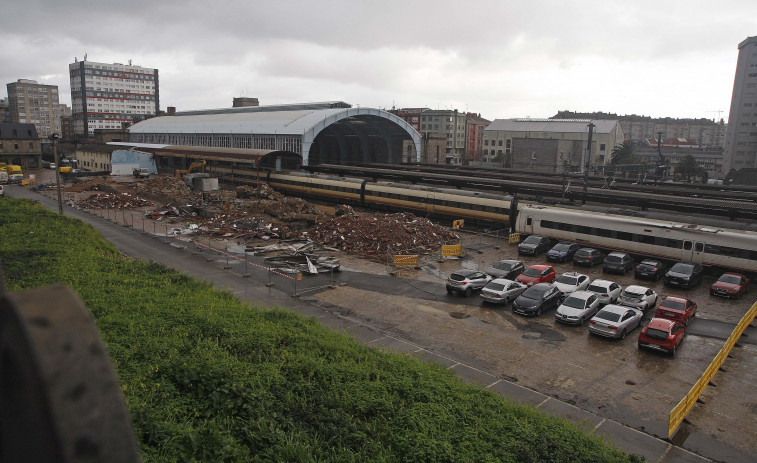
(683, 274)
(533, 245)
(588, 256)
(508, 269)
(562, 252)
(649, 269)
(537, 299)
(617, 262)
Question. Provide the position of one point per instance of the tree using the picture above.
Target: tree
(623, 153)
(687, 167)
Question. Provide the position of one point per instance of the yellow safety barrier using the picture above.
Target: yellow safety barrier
(452, 250)
(679, 412)
(513, 238)
(457, 224)
(409, 260)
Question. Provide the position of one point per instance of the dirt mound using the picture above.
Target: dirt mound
(113, 201)
(95, 184)
(382, 234)
(170, 188)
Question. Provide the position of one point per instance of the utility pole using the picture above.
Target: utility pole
(587, 164)
(660, 159)
(54, 137)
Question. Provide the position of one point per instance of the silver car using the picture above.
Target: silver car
(466, 281)
(615, 321)
(501, 291)
(578, 307)
(571, 281)
(639, 297)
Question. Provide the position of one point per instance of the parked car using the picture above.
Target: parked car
(2, 191)
(607, 291)
(572, 281)
(678, 309)
(562, 252)
(617, 262)
(639, 297)
(649, 269)
(588, 256)
(615, 321)
(578, 307)
(509, 269)
(683, 274)
(502, 291)
(662, 334)
(537, 299)
(538, 273)
(730, 285)
(466, 281)
(533, 245)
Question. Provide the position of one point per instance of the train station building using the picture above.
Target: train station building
(329, 132)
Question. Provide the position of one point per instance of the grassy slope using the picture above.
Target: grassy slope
(209, 378)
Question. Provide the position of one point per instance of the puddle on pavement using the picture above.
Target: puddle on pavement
(459, 315)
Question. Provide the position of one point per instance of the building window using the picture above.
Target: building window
(602, 147)
(500, 143)
(486, 142)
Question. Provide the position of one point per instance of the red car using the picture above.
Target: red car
(539, 273)
(662, 334)
(678, 309)
(730, 285)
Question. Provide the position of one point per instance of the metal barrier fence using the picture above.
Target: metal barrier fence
(679, 412)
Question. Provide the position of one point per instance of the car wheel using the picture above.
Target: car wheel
(673, 351)
(468, 292)
(538, 312)
(623, 334)
(449, 291)
(581, 320)
(506, 300)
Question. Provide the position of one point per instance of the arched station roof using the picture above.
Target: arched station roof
(331, 131)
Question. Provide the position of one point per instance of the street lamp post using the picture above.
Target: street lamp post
(54, 137)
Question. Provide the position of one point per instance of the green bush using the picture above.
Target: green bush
(208, 377)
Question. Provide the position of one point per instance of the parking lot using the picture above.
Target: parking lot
(612, 378)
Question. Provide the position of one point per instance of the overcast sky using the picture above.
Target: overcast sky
(498, 58)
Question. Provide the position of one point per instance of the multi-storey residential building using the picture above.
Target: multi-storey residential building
(105, 96)
(34, 103)
(741, 138)
(451, 123)
(707, 133)
(410, 115)
(551, 144)
(474, 143)
(5, 114)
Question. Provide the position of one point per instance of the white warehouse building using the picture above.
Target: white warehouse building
(328, 132)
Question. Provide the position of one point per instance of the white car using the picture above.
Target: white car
(607, 291)
(572, 281)
(615, 321)
(578, 307)
(501, 291)
(639, 297)
(2, 191)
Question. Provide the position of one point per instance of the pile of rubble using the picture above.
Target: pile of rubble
(166, 187)
(94, 184)
(113, 201)
(380, 235)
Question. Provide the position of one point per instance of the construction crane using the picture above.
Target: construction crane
(719, 111)
(197, 166)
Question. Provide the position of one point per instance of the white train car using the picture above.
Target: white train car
(710, 246)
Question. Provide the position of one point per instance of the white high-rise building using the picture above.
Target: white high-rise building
(741, 136)
(105, 96)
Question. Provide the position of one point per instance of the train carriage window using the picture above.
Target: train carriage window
(529, 221)
(699, 247)
(687, 245)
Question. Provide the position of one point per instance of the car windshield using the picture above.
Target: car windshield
(631, 294)
(682, 268)
(495, 286)
(568, 280)
(733, 279)
(612, 259)
(457, 277)
(609, 316)
(535, 292)
(532, 240)
(561, 247)
(531, 272)
(574, 302)
(597, 289)
(503, 266)
(649, 263)
(657, 334)
(670, 304)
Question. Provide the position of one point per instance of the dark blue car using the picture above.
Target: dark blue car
(562, 252)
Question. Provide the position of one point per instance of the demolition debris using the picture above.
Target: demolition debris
(380, 235)
(113, 201)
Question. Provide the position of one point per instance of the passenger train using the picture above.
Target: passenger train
(680, 241)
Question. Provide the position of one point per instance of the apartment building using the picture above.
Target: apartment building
(474, 143)
(741, 136)
(451, 123)
(107, 96)
(30, 102)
